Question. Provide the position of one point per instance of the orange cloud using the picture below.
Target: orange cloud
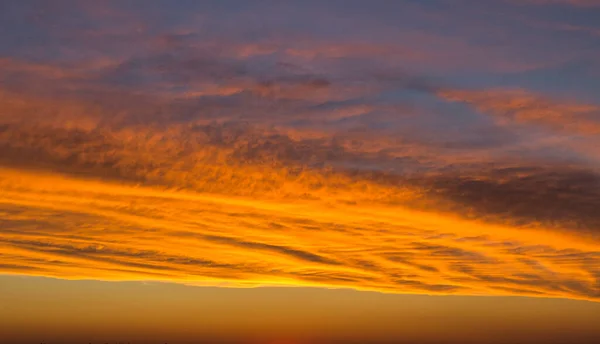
(526, 107)
(235, 205)
(76, 229)
(181, 190)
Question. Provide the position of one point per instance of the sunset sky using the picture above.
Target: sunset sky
(295, 172)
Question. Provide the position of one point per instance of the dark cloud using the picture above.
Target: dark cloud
(428, 287)
(560, 196)
(14, 267)
(410, 263)
(298, 254)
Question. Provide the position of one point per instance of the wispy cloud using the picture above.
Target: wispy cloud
(69, 228)
(526, 107)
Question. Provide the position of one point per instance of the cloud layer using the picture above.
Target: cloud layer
(159, 143)
(70, 228)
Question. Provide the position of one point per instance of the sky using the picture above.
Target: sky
(290, 172)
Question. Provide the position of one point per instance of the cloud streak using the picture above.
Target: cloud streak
(526, 107)
(73, 228)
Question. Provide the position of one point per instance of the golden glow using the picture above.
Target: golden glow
(77, 229)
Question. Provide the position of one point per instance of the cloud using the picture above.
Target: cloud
(293, 158)
(527, 107)
(576, 3)
(553, 196)
(177, 148)
(243, 204)
(115, 231)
